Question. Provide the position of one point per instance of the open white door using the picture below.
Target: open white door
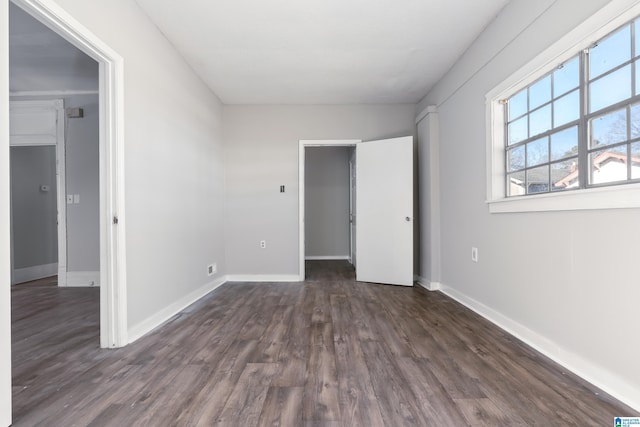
(384, 202)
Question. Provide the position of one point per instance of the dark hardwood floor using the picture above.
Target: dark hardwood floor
(327, 352)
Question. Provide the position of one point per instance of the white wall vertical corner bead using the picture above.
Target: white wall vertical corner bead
(429, 176)
(5, 223)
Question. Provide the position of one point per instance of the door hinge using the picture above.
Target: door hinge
(115, 220)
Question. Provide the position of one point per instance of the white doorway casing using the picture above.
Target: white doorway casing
(113, 322)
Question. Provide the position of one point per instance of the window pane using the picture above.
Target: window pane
(637, 76)
(609, 165)
(538, 180)
(635, 121)
(518, 104)
(567, 77)
(637, 30)
(564, 144)
(635, 160)
(516, 158)
(610, 89)
(609, 129)
(540, 121)
(518, 130)
(540, 93)
(538, 152)
(516, 184)
(566, 109)
(610, 52)
(564, 175)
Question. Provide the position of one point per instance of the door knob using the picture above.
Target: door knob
(408, 219)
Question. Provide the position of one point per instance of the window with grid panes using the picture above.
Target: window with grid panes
(578, 126)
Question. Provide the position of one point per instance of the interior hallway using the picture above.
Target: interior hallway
(328, 352)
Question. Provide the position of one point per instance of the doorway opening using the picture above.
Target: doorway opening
(113, 331)
(330, 232)
(383, 192)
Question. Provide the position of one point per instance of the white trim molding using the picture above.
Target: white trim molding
(152, 322)
(82, 279)
(595, 374)
(428, 285)
(267, 278)
(35, 272)
(47, 93)
(327, 257)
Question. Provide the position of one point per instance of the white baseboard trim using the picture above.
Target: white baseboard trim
(264, 278)
(593, 373)
(327, 258)
(428, 285)
(27, 274)
(150, 323)
(82, 279)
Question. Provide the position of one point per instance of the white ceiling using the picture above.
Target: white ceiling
(321, 51)
(41, 60)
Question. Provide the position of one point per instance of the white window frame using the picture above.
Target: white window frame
(609, 18)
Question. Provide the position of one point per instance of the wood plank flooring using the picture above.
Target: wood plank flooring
(327, 352)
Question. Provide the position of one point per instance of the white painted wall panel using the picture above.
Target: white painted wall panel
(261, 153)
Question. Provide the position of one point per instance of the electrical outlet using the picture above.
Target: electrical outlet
(212, 269)
(263, 244)
(474, 254)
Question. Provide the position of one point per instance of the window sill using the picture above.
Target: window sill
(617, 197)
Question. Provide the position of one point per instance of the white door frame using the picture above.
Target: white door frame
(57, 106)
(113, 296)
(303, 144)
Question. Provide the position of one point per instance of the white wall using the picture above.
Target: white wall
(5, 254)
(564, 281)
(82, 163)
(261, 153)
(327, 202)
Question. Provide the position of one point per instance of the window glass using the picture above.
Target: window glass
(538, 180)
(516, 184)
(538, 152)
(635, 160)
(564, 175)
(566, 109)
(612, 88)
(609, 129)
(540, 93)
(637, 78)
(516, 158)
(564, 144)
(518, 130)
(636, 26)
(610, 52)
(518, 104)
(635, 121)
(540, 121)
(609, 165)
(567, 77)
